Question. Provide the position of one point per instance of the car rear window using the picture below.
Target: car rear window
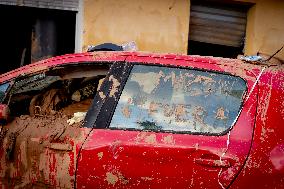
(178, 100)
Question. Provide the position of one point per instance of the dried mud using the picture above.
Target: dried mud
(41, 149)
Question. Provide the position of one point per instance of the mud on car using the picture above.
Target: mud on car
(138, 120)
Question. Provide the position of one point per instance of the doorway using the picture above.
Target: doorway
(18, 27)
(217, 28)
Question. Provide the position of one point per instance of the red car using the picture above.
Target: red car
(138, 120)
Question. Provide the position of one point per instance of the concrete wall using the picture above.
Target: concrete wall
(265, 28)
(155, 25)
(163, 25)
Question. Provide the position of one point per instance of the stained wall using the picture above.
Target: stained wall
(163, 25)
(156, 26)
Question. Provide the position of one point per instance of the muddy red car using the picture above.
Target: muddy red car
(138, 120)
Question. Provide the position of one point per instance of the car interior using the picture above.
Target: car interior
(65, 89)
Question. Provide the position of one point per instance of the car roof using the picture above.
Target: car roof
(205, 62)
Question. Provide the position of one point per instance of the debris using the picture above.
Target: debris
(130, 46)
(76, 96)
(251, 58)
(78, 117)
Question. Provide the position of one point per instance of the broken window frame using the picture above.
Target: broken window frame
(13, 81)
(104, 120)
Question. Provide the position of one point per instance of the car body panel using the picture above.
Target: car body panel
(137, 159)
(39, 161)
(265, 165)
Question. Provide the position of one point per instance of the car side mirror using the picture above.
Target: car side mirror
(4, 113)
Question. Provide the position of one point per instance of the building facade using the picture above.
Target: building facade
(32, 30)
(187, 27)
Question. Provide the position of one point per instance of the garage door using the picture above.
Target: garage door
(55, 4)
(218, 23)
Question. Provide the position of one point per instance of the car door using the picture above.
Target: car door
(39, 149)
(170, 124)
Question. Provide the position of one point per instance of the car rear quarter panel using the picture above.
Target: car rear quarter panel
(265, 165)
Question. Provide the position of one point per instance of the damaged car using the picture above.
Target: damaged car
(142, 120)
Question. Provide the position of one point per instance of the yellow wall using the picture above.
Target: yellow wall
(265, 28)
(162, 25)
(155, 25)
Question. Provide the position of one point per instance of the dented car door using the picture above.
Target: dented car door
(176, 126)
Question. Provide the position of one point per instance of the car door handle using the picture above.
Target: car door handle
(213, 162)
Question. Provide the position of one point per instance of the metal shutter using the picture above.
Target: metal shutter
(218, 24)
(49, 4)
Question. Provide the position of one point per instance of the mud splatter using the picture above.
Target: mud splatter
(114, 87)
(111, 178)
(180, 112)
(203, 79)
(265, 98)
(168, 111)
(220, 114)
(100, 84)
(43, 150)
(265, 132)
(114, 176)
(146, 137)
(126, 111)
(122, 179)
(153, 108)
(100, 155)
(102, 95)
(140, 137)
(147, 178)
(151, 139)
(198, 114)
(196, 146)
(168, 139)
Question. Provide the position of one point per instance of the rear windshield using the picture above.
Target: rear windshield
(178, 100)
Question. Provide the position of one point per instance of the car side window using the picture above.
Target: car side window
(3, 89)
(178, 100)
